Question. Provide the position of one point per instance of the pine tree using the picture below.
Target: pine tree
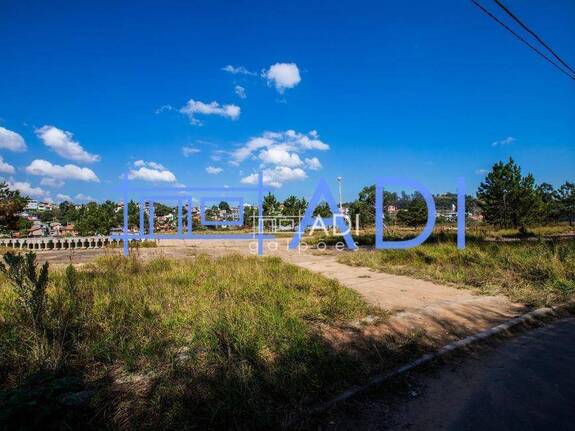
(508, 199)
(566, 201)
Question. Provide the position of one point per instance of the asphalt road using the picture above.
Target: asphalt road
(526, 383)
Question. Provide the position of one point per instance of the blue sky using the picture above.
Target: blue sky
(359, 89)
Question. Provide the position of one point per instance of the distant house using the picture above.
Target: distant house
(32, 205)
(68, 230)
(390, 209)
(36, 231)
(165, 223)
(55, 229)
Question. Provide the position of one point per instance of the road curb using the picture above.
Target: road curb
(536, 316)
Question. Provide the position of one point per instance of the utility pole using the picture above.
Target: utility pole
(339, 179)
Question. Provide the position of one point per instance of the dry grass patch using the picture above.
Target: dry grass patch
(230, 342)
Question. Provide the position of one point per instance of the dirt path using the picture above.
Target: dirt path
(445, 313)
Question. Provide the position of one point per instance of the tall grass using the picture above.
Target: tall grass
(225, 342)
(535, 272)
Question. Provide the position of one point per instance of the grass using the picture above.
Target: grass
(473, 232)
(535, 272)
(210, 343)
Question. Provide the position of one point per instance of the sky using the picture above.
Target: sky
(200, 93)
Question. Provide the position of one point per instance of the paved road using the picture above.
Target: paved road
(527, 383)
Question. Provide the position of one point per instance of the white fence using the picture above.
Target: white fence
(49, 243)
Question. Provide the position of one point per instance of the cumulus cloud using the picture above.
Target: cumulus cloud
(63, 143)
(153, 165)
(282, 76)
(279, 156)
(67, 172)
(507, 141)
(313, 163)
(12, 141)
(289, 141)
(212, 170)
(26, 189)
(6, 168)
(240, 91)
(275, 177)
(194, 108)
(51, 182)
(188, 151)
(151, 171)
(240, 70)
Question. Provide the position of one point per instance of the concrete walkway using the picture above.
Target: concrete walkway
(444, 312)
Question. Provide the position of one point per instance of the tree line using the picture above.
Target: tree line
(506, 198)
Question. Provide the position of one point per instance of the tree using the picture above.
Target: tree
(415, 213)
(364, 205)
(250, 216)
(566, 201)
(445, 201)
(293, 207)
(223, 205)
(46, 216)
(94, 219)
(161, 210)
(322, 210)
(271, 205)
(549, 203)
(67, 213)
(11, 205)
(508, 199)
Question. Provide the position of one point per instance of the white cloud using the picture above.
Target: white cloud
(67, 172)
(62, 197)
(279, 156)
(240, 91)
(277, 176)
(6, 168)
(289, 140)
(481, 171)
(282, 76)
(507, 141)
(240, 70)
(164, 108)
(153, 165)
(151, 171)
(313, 163)
(213, 170)
(12, 141)
(26, 189)
(51, 182)
(83, 197)
(63, 143)
(188, 151)
(193, 108)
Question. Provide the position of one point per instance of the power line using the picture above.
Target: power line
(535, 35)
(521, 39)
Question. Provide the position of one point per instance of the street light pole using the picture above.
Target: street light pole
(339, 179)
